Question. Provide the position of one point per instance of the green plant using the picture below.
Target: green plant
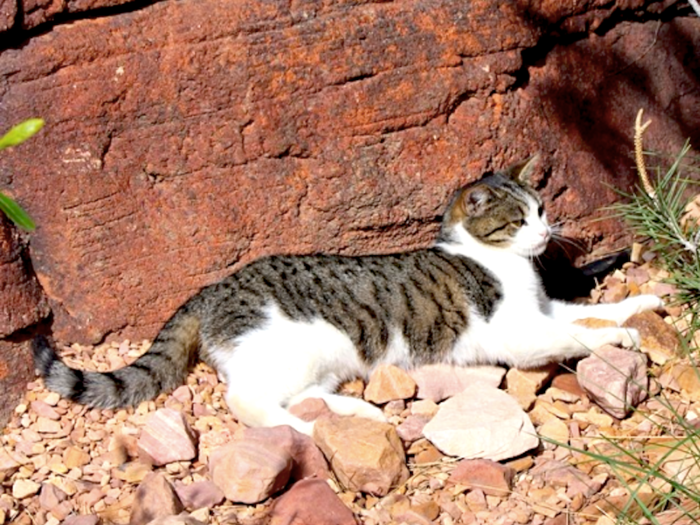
(662, 213)
(15, 136)
(660, 469)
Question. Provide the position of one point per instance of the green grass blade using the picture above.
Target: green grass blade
(15, 213)
(21, 132)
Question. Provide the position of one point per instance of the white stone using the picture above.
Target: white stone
(481, 422)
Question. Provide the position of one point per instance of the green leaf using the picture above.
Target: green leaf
(15, 213)
(21, 132)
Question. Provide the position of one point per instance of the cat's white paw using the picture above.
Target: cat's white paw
(643, 303)
(371, 412)
(629, 338)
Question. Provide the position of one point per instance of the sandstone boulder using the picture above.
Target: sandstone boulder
(180, 145)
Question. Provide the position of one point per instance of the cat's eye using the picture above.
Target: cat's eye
(519, 223)
(540, 210)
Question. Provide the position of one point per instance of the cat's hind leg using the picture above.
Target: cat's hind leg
(257, 411)
(273, 364)
(340, 404)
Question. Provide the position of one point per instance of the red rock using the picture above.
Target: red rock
(199, 494)
(438, 382)
(481, 422)
(389, 383)
(615, 379)
(300, 136)
(155, 498)
(249, 471)
(167, 437)
(23, 302)
(364, 454)
(492, 478)
(310, 409)
(310, 502)
(50, 496)
(568, 383)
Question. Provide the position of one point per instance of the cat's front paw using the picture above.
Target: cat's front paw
(628, 338)
(643, 303)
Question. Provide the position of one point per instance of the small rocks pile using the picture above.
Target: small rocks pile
(461, 445)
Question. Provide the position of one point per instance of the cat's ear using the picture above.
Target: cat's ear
(474, 199)
(522, 171)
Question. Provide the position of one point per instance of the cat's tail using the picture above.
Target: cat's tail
(162, 368)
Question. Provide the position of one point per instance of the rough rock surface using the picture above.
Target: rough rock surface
(660, 341)
(185, 138)
(481, 422)
(616, 379)
(310, 502)
(249, 471)
(22, 304)
(155, 498)
(365, 455)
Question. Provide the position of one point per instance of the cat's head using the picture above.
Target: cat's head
(501, 210)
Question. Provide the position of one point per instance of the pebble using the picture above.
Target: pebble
(490, 477)
(389, 383)
(23, 488)
(524, 385)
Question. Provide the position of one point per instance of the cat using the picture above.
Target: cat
(286, 328)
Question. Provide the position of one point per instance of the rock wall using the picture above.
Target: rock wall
(185, 138)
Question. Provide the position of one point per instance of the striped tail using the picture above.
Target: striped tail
(162, 368)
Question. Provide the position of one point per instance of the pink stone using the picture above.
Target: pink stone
(411, 429)
(199, 494)
(615, 379)
(154, 498)
(310, 409)
(310, 502)
(249, 471)
(438, 382)
(45, 410)
(167, 437)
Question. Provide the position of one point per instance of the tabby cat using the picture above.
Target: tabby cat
(286, 328)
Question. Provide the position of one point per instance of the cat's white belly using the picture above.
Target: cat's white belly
(290, 355)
